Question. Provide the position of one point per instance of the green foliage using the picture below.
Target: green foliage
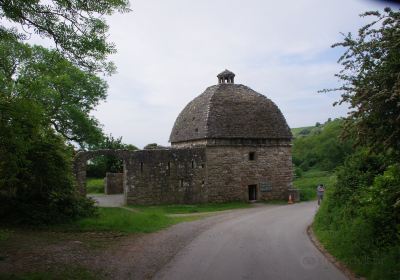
(37, 185)
(306, 131)
(359, 221)
(307, 184)
(37, 95)
(78, 28)
(94, 185)
(154, 146)
(371, 82)
(65, 94)
(46, 97)
(323, 150)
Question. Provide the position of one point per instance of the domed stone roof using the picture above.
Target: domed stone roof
(230, 110)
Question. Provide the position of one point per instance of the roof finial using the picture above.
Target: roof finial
(226, 77)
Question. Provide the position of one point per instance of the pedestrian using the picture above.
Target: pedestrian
(320, 193)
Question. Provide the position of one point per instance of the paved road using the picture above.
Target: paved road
(269, 243)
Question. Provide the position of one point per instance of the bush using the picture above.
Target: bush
(359, 221)
(36, 184)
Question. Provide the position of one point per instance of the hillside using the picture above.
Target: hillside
(308, 130)
(320, 146)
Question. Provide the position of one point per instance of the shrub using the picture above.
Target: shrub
(36, 184)
(359, 221)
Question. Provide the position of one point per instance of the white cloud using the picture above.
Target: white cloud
(170, 51)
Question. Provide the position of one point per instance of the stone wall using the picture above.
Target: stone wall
(230, 172)
(212, 173)
(114, 183)
(166, 176)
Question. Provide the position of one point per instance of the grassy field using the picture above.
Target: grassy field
(95, 185)
(309, 180)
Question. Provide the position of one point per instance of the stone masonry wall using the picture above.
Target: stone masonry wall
(212, 173)
(114, 183)
(230, 172)
(166, 176)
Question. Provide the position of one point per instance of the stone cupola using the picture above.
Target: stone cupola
(227, 77)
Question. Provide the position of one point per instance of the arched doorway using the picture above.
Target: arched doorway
(81, 161)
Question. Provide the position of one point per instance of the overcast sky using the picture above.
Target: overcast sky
(171, 51)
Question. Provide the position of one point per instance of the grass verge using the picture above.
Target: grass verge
(308, 182)
(350, 239)
(125, 221)
(192, 208)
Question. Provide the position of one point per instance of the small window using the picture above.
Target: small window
(141, 167)
(181, 183)
(192, 164)
(252, 156)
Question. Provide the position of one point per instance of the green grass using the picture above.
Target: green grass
(193, 208)
(95, 185)
(126, 221)
(308, 182)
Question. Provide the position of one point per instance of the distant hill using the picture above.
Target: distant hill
(308, 130)
(320, 146)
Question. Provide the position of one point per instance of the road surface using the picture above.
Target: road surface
(267, 243)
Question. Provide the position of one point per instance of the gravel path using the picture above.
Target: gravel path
(111, 200)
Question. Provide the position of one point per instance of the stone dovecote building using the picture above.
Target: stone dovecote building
(228, 144)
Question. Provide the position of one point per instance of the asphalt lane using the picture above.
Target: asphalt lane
(270, 243)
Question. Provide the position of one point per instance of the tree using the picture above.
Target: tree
(65, 93)
(154, 146)
(78, 28)
(371, 82)
(36, 184)
(98, 166)
(45, 99)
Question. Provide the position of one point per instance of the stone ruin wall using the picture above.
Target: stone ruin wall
(166, 176)
(154, 176)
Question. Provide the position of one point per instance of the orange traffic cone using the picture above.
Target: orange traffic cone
(290, 199)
